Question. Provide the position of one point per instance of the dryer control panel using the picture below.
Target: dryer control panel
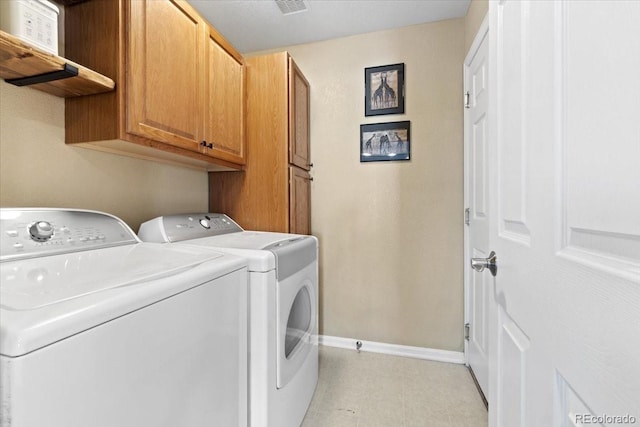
(30, 233)
(176, 228)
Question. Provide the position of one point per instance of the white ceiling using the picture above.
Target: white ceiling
(254, 25)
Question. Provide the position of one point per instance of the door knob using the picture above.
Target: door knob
(479, 264)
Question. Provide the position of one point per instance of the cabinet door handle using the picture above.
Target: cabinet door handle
(203, 143)
(310, 165)
(210, 145)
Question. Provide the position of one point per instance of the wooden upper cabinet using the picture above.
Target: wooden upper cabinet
(179, 83)
(165, 73)
(224, 100)
(274, 191)
(299, 136)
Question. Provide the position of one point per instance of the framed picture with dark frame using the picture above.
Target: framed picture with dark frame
(384, 90)
(385, 141)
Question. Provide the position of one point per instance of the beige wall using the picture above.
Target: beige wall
(38, 169)
(390, 232)
(475, 14)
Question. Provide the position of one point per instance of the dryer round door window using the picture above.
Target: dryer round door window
(296, 306)
(299, 321)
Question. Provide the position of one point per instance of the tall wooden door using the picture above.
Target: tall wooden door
(164, 75)
(478, 297)
(299, 201)
(564, 153)
(299, 131)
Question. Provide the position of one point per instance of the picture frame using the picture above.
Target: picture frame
(384, 90)
(385, 141)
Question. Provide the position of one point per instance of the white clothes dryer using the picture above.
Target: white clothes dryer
(99, 329)
(283, 307)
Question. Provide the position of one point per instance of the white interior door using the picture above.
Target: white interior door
(478, 286)
(564, 152)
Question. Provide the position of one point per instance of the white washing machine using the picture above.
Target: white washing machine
(101, 330)
(283, 307)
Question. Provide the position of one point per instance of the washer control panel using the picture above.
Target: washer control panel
(29, 233)
(176, 228)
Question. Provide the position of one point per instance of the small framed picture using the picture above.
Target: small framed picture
(385, 141)
(384, 90)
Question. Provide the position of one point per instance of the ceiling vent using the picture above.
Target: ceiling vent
(288, 7)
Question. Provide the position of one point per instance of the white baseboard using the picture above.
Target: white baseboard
(394, 349)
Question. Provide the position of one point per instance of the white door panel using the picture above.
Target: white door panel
(511, 93)
(512, 378)
(564, 155)
(478, 286)
(599, 221)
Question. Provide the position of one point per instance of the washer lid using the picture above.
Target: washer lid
(43, 300)
(249, 244)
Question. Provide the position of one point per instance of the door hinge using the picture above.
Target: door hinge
(466, 100)
(467, 214)
(467, 327)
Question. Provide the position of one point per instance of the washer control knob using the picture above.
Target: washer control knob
(41, 231)
(205, 223)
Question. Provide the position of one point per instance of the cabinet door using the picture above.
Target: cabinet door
(299, 201)
(224, 101)
(298, 118)
(164, 72)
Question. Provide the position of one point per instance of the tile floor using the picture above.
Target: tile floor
(369, 389)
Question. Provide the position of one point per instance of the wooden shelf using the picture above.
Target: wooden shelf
(19, 59)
